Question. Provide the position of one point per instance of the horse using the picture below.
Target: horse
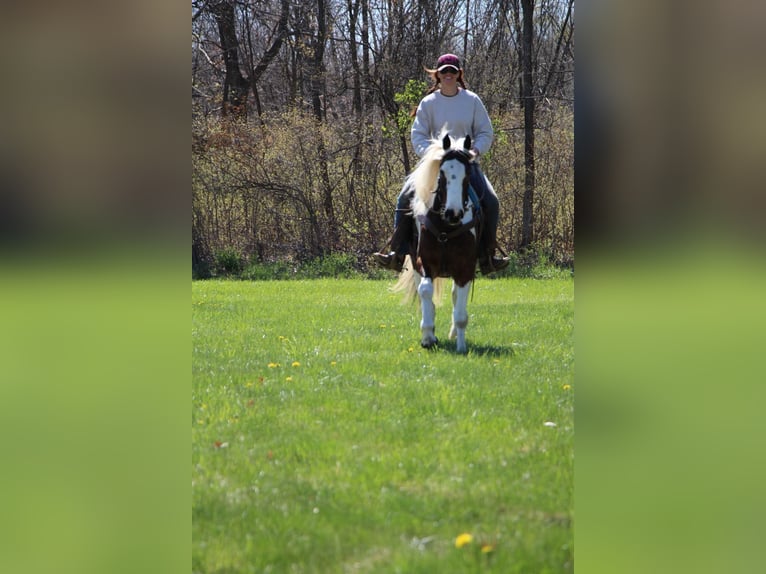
(444, 244)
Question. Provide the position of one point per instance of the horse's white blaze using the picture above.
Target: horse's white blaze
(459, 315)
(454, 173)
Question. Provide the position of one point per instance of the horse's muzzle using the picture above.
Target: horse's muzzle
(453, 216)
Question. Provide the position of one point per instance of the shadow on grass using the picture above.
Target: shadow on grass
(490, 351)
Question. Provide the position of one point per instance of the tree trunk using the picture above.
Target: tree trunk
(236, 86)
(279, 34)
(317, 67)
(353, 14)
(527, 235)
(366, 50)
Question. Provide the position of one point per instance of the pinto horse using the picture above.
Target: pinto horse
(446, 236)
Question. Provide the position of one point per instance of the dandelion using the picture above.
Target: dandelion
(288, 379)
(487, 548)
(463, 539)
(273, 365)
(296, 364)
(566, 387)
(410, 350)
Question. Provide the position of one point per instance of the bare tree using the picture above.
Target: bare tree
(528, 100)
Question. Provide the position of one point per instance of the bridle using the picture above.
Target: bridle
(452, 230)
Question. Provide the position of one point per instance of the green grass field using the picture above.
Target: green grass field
(324, 439)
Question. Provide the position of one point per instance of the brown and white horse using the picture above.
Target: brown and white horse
(447, 234)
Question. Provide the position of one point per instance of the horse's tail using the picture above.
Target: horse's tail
(408, 282)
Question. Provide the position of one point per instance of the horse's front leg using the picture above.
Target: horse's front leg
(426, 294)
(459, 315)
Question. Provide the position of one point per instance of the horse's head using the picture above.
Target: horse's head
(452, 189)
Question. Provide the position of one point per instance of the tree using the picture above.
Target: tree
(528, 101)
(236, 86)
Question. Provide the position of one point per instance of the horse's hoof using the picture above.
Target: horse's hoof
(429, 344)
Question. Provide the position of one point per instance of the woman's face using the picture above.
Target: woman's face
(448, 76)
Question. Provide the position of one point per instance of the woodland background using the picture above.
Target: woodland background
(301, 117)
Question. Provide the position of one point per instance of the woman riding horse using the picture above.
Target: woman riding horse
(450, 104)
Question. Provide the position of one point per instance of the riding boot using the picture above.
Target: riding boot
(488, 261)
(399, 243)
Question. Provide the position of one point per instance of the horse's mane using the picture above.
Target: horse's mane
(424, 177)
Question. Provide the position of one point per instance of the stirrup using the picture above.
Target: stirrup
(391, 260)
(494, 263)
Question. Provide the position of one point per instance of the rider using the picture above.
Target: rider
(449, 103)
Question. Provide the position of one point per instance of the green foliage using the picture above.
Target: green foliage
(323, 436)
(331, 265)
(533, 264)
(269, 271)
(408, 99)
(228, 262)
(201, 270)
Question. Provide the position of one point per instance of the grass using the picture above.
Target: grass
(324, 439)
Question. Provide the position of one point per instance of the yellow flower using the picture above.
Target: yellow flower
(288, 379)
(487, 548)
(273, 365)
(566, 387)
(463, 539)
(333, 363)
(296, 364)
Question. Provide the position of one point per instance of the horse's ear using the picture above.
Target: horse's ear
(446, 142)
(467, 143)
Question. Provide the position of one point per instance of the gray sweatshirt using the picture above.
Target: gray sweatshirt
(463, 114)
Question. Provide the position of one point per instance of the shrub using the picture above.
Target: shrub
(228, 262)
(332, 265)
(269, 271)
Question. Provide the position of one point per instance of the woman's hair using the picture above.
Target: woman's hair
(436, 84)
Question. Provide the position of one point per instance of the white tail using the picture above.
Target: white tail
(408, 282)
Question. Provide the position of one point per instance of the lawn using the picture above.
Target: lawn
(324, 439)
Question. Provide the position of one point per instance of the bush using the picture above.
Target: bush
(332, 265)
(228, 262)
(535, 263)
(269, 271)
